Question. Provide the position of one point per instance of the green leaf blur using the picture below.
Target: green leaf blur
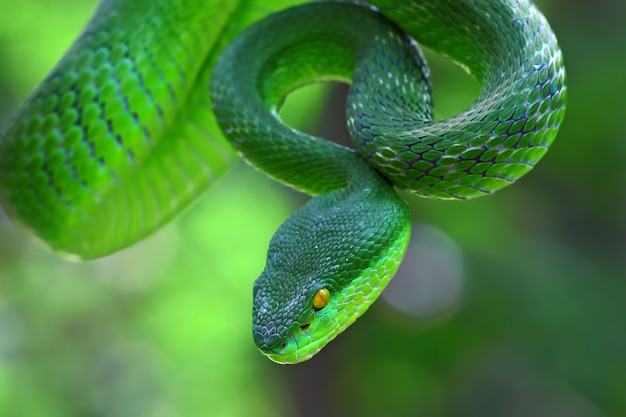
(509, 305)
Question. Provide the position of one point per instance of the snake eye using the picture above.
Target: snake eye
(321, 299)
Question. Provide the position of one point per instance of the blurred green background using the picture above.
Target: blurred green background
(510, 305)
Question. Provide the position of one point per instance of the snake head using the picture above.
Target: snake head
(284, 325)
(326, 265)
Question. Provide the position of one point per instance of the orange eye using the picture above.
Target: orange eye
(321, 299)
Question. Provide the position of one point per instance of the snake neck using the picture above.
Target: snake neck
(258, 70)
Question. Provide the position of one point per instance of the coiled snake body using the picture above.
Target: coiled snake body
(107, 148)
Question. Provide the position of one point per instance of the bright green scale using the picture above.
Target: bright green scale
(116, 141)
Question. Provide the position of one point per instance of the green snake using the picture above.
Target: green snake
(117, 140)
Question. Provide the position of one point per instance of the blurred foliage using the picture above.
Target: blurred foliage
(514, 305)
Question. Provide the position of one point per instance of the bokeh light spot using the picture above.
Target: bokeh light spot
(430, 279)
